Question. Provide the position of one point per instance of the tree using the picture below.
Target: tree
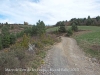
(74, 27)
(25, 23)
(62, 28)
(34, 30)
(5, 41)
(25, 41)
(5, 37)
(69, 32)
(1, 42)
(5, 30)
(41, 28)
(58, 23)
(89, 17)
(6, 23)
(12, 38)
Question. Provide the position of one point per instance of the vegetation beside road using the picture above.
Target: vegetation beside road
(88, 38)
(17, 54)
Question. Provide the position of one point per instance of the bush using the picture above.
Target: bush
(38, 44)
(7, 60)
(20, 53)
(28, 31)
(5, 41)
(20, 34)
(74, 27)
(34, 30)
(25, 41)
(69, 32)
(12, 38)
(5, 30)
(40, 28)
(1, 42)
(62, 28)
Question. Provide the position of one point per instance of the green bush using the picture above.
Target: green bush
(12, 38)
(5, 30)
(69, 32)
(5, 41)
(40, 28)
(34, 30)
(62, 28)
(28, 30)
(0, 42)
(74, 27)
(20, 34)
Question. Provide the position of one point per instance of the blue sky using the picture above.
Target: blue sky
(50, 11)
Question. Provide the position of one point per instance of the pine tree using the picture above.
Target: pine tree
(5, 37)
(1, 42)
(25, 41)
(62, 28)
(12, 38)
(5, 41)
(40, 28)
(34, 30)
(74, 27)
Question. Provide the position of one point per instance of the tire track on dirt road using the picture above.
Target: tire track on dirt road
(66, 58)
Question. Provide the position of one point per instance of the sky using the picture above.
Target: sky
(49, 11)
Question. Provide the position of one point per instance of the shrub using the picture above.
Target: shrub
(41, 28)
(62, 28)
(69, 32)
(5, 41)
(0, 42)
(12, 27)
(25, 41)
(7, 60)
(74, 27)
(20, 54)
(5, 30)
(38, 44)
(20, 34)
(34, 30)
(28, 30)
(12, 38)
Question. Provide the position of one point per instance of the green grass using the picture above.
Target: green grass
(52, 29)
(86, 39)
(89, 38)
(55, 28)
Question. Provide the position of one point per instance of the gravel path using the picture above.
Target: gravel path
(66, 58)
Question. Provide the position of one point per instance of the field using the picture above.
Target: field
(54, 29)
(88, 39)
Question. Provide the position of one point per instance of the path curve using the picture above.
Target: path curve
(66, 58)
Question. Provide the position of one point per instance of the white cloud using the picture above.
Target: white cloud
(50, 11)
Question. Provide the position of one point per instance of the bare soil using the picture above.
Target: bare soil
(66, 58)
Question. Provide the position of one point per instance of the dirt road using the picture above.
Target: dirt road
(66, 58)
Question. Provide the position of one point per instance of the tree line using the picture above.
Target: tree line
(87, 21)
(82, 21)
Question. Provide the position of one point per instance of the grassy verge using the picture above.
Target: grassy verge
(89, 39)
